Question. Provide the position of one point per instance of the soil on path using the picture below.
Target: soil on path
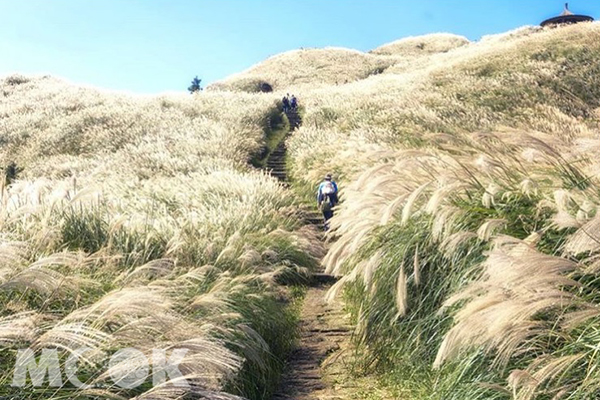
(324, 330)
(323, 327)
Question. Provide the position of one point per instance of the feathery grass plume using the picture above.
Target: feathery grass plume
(13, 254)
(167, 392)
(71, 337)
(206, 364)
(410, 202)
(368, 269)
(486, 230)
(19, 328)
(47, 282)
(123, 305)
(563, 220)
(337, 287)
(417, 266)
(151, 270)
(586, 239)
(529, 187)
(41, 280)
(213, 300)
(401, 293)
(517, 284)
(452, 243)
(543, 371)
(488, 198)
(441, 194)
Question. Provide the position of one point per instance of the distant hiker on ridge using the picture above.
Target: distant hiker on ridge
(294, 103)
(327, 198)
(286, 103)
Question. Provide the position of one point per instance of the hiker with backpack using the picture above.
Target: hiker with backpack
(327, 198)
(286, 103)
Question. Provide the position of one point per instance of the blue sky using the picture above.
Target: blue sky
(151, 46)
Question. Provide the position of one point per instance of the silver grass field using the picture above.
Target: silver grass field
(137, 222)
(467, 241)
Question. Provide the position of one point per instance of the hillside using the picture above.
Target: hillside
(467, 242)
(138, 222)
(307, 68)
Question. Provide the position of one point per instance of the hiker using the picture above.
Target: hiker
(294, 103)
(286, 103)
(327, 198)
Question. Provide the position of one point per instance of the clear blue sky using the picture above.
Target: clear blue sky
(150, 46)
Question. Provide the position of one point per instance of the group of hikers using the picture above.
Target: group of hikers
(289, 103)
(327, 198)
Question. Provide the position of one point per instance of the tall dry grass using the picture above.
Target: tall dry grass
(138, 222)
(469, 194)
(466, 240)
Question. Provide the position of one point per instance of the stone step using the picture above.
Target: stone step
(323, 279)
(344, 329)
(305, 377)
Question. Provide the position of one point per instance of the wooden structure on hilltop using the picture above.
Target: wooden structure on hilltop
(566, 17)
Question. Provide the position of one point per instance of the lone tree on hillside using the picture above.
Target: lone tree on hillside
(195, 86)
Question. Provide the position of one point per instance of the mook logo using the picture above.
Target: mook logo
(127, 368)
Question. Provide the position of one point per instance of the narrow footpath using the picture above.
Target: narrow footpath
(323, 327)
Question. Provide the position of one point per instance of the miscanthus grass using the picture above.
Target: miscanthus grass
(465, 241)
(137, 222)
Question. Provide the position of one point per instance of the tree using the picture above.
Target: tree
(195, 87)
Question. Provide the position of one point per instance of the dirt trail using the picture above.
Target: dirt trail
(323, 327)
(323, 331)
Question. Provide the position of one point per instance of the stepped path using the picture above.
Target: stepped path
(323, 327)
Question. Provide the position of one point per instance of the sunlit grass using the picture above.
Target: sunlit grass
(138, 222)
(465, 239)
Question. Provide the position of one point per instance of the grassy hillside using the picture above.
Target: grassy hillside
(468, 235)
(467, 240)
(137, 222)
(307, 68)
(422, 45)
